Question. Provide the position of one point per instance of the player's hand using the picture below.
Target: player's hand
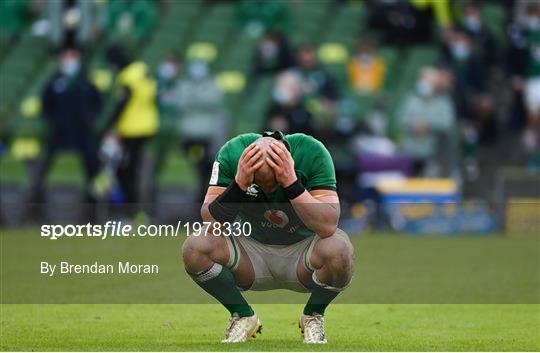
(281, 161)
(250, 160)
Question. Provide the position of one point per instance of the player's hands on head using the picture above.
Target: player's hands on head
(281, 161)
(250, 160)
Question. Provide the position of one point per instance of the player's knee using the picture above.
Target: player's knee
(339, 252)
(196, 247)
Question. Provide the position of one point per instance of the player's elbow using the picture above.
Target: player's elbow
(327, 230)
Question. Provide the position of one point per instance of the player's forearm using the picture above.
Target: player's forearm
(205, 214)
(320, 217)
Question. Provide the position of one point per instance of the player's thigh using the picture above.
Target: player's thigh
(244, 273)
(202, 250)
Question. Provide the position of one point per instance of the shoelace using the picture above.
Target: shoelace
(315, 327)
(233, 328)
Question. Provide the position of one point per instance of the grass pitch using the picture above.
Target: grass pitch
(390, 269)
(196, 327)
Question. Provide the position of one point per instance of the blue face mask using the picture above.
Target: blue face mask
(472, 23)
(532, 23)
(198, 70)
(167, 70)
(460, 51)
(70, 67)
(424, 88)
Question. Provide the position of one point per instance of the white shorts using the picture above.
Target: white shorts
(532, 95)
(274, 265)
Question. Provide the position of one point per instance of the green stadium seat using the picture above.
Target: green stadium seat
(66, 169)
(14, 171)
(176, 170)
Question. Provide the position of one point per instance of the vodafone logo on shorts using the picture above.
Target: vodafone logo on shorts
(277, 217)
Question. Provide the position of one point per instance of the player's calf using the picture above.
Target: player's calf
(332, 259)
(210, 264)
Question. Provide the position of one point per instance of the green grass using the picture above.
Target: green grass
(474, 275)
(350, 327)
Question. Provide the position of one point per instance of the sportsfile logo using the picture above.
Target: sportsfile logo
(119, 229)
(111, 229)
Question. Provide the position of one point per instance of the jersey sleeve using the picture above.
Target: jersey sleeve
(222, 171)
(321, 173)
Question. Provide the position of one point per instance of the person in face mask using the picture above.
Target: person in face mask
(202, 123)
(198, 70)
(531, 137)
(70, 105)
(272, 55)
(169, 68)
(426, 119)
(70, 63)
(168, 74)
(287, 111)
(482, 39)
(532, 20)
(366, 69)
(468, 70)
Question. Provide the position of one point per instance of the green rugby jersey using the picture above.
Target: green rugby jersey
(272, 217)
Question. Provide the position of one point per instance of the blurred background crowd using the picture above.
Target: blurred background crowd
(129, 100)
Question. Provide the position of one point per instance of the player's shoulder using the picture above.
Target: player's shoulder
(305, 143)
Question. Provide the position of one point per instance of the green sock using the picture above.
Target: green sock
(320, 298)
(218, 281)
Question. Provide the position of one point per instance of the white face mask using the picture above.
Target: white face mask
(198, 70)
(282, 96)
(532, 23)
(473, 23)
(365, 58)
(167, 70)
(268, 49)
(70, 67)
(424, 88)
(460, 50)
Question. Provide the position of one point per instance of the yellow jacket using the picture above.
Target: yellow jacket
(140, 115)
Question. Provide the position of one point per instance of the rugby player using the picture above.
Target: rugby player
(285, 186)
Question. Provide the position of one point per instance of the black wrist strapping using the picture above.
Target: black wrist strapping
(226, 206)
(294, 190)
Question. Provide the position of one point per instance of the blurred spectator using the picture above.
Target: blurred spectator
(521, 10)
(134, 118)
(319, 89)
(518, 53)
(287, 112)
(168, 74)
(258, 16)
(367, 70)
(128, 21)
(474, 103)
(202, 124)
(524, 67)
(427, 122)
(272, 55)
(71, 104)
(532, 79)
(316, 81)
(482, 38)
(73, 21)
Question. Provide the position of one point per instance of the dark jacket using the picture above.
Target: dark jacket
(70, 107)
